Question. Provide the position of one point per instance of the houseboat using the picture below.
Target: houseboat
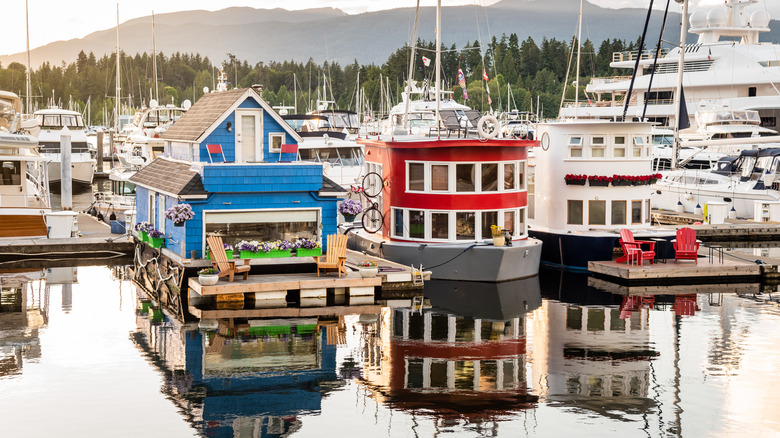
(591, 179)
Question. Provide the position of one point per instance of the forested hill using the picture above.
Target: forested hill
(329, 34)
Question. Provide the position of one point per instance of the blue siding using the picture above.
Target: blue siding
(263, 178)
(221, 136)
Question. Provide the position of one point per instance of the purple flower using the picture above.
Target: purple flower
(266, 247)
(155, 233)
(305, 243)
(350, 207)
(284, 245)
(180, 213)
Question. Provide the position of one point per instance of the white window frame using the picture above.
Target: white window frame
(429, 225)
(152, 206)
(641, 147)
(576, 145)
(409, 175)
(393, 223)
(271, 137)
(317, 210)
(598, 146)
(429, 176)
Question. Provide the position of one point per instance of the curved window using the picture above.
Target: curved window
(466, 178)
(456, 225)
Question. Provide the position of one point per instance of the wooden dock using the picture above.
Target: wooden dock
(679, 289)
(706, 270)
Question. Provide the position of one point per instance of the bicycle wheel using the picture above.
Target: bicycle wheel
(373, 184)
(372, 220)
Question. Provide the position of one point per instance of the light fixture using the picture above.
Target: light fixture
(229, 127)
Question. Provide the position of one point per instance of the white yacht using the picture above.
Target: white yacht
(727, 63)
(49, 131)
(139, 142)
(422, 108)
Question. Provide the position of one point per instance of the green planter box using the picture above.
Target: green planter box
(156, 242)
(280, 253)
(248, 255)
(303, 252)
(270, 330)
(266, 255)
(228, 254)
(143, 236)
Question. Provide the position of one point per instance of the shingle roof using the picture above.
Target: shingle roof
(330, 186)
(174, 177)
(202, 115)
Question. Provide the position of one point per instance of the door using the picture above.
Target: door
(249, 138)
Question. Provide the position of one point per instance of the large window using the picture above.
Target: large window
(416, 177)
(501, 176)
(489, 177)
(618, 212)
(440, 176)
(636, 212)
(597, 212)
(440, 225)
(488, 218)
(417, 224)
(465, 178)
(574, 212)
(12, 173)
(465, 225)
(260, 225)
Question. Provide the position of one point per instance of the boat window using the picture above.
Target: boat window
(619, 149)
(398, 222)
(69, 120)
(464, 178)
(329, 155)
(618, 213)
(440, 225)
(488, 218)
(521, 230)
(489, 177)
(417, 224)
(509, 222)
(416, 177)
(351, 156)
(638, 146)
(636, 212)
(746, 168)
(50, 120)
(509, 176)
(440, 174)
(575, 141)
(597, 212)
(597, 151)
(464, 225)
(574, 212)
(597, 141)
(11, 173)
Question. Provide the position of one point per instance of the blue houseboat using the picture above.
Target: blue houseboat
(233, 159)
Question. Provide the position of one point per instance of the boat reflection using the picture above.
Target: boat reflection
(24, 310)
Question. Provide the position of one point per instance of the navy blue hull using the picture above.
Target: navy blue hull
(574, 251)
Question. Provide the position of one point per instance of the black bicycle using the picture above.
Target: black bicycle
(371, 187)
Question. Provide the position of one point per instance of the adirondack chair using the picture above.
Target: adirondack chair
(632, 249)
(220, 262)
(686, 247)
(335, 256)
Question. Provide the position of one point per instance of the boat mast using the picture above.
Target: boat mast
(411, 68)
(118, 95)
(438, 57)
(680, 68)
(28, 86)
(577, 76)
(154, 62)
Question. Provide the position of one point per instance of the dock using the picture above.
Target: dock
(707, 270)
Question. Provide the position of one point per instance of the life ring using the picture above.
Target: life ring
(487, 127)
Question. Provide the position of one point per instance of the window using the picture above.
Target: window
(488, 218)
(647, 211)
(489, 177)
(597, 212)
(574, 212)
(417, 224)
(275, 142)
(416, 177)
(12, 173)
(464, 178)
(509, 222)
(521, 226)
(236, 226)
(597, 147)
(639, 142)
(636, 212)
(575, 147)
(619, 150)
(464, 225)
(521, 175)
(440, 225)
(440, 174)
(618, 213)
(398, 222)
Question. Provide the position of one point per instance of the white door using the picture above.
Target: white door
(249, 138)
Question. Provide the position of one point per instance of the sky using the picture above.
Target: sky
(54, 20)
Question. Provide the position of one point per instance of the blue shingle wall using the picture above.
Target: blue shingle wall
(141, 204)
(221, 136)
(263, 178)
(174, 236)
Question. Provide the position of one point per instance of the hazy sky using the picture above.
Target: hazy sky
(53, 20)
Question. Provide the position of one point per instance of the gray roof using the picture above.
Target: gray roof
(208, 109)
(330, 186)
(169, 176)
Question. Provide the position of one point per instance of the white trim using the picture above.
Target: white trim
(257, 114)
(271, 136)
(452, 172)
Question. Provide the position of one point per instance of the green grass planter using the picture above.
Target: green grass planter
(228, 254)
(143, 236)
(314, 252)
(156, 242)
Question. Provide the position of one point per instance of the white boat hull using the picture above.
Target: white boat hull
(83, 172)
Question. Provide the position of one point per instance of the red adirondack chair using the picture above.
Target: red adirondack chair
(632, 249)
(686, 247)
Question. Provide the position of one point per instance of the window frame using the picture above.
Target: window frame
(271, 137)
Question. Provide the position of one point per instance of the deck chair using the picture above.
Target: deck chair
(473, 116)
(226, 267)
(215, 149)
(335, 256)
(633, 249)
(686, 247)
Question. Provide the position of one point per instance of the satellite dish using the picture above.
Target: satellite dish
(205, 90)
(153, 104)
(186, 104)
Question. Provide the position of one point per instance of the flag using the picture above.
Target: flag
(462, 83)
(685, 121)
(709, 56)
(487, 87)
(426, 61)
(490, 101)
(484, 75)
(425, 89)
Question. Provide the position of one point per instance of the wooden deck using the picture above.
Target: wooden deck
(283, 282)
(679, 289)
(706, 268)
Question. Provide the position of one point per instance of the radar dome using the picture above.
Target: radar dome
(759, 19)
(186, 104)
(716, 18)
(153, 104)
(698, 19)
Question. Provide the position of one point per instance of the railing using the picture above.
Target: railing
(22, 200)
(631, 56)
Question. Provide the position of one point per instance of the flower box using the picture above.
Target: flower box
(576, 182)
(266, 255)
(281, 253)
(621, 182)
(314, 252)
(143, 236)
(156, 242)
(598, 183)
(249, 254)
(228, 254)
(368, 271)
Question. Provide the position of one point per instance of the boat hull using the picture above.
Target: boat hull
(83, 172)
(458, 261)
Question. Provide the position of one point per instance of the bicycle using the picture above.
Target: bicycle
(370, 188)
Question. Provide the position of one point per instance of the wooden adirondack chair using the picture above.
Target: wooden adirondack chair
(632, 249)
(686, 247)
(226, 267)
(335, 256)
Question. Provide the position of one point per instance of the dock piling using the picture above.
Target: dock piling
(66, 172)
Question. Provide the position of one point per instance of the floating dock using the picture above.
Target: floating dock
(714, 269)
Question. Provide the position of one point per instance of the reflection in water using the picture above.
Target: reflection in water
(24, 310)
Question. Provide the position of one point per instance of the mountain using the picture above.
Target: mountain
(330, 34)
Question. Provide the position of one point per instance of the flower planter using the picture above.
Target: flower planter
(576, 182)
(597, 183)
(314, 252)
(349, 217)
(143, 236)
(208, 280)
(621, 182)
(266, 255)
(156, 242)
(368, 272)
(499, 241)
(281, 253)
(228, 254)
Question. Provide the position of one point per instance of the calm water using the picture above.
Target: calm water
(545, 357)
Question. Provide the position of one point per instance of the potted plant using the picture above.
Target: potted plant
(307, 248)
(576, 180)
(349, 209)
(156, 238)
(208, 276)
(598, 180)
(498, 235)
(179, 214)
(621, 180)
(368, 269)
(143, 230)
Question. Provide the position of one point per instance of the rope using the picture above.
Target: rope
(458, 255)
(141, 264)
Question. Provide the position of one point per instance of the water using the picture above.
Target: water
(485, 360)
